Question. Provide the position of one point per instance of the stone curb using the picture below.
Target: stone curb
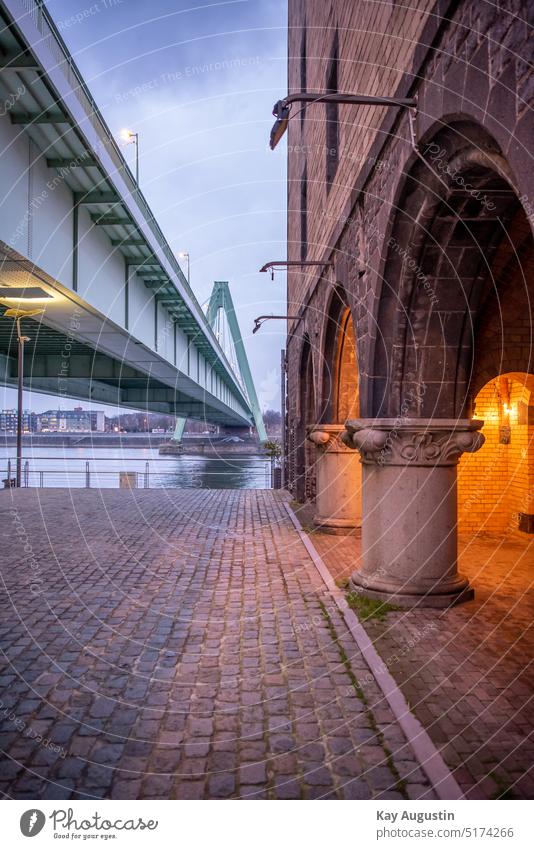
(429, 758)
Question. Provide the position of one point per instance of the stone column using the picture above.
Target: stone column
(409, 524)
(338, 481)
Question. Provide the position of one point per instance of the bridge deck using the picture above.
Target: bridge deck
(75, 226)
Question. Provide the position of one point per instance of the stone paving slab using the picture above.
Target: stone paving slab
(181, 644)
(467, 672)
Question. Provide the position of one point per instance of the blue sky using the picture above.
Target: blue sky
(197, 81)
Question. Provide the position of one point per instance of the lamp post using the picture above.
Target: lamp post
(18, 315)
(185, 255)
(129, 137)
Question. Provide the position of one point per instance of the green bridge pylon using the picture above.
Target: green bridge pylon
(221, 299)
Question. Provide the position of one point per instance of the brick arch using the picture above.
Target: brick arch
(339, 390)
(445, 255)
(496, 485)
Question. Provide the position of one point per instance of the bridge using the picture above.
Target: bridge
(119, 324)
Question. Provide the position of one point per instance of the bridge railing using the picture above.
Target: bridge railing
(59, 50)
(116, 165)
(138, 473)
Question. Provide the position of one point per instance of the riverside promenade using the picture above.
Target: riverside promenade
(191, 644)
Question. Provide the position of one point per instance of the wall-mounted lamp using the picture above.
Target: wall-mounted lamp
(278, 265)
(505, 410)
(263, 318)
(282, 108)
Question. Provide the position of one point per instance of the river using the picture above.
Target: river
(100, 467)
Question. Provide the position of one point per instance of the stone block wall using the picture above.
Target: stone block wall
(464, 61)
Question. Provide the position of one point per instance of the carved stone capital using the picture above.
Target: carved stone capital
(413, 442)
(327, 437)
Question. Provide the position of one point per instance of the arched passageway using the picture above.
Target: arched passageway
(338, 473)
(496, 485)
(454, 311)
(301, 453)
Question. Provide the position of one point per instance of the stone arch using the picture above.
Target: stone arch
(496, 485)
(340, 362)
(340, 388)
(301, 450)
(455, 243)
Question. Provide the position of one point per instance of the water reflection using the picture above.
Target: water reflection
(100, 467)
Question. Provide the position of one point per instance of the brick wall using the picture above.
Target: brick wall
(475, 70)
(497, 482)
(376, 45)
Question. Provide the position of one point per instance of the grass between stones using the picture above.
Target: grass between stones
(399, 783)
(369, 608)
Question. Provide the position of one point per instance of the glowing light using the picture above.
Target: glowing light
(127, 135)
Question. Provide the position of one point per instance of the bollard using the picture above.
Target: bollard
(147, 475)
(87, 475)
(27, 473)
(127, 480)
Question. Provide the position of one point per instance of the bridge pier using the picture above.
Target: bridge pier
(234, 430)
(409, 525)
(338, 481)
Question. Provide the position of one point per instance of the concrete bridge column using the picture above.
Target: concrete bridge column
(338, 481)
(409, 521)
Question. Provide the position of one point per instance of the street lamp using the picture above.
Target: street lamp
(282, 108)
(129, 137)
(18, 315)
(278, 265)
(263, 318)
(185, 255)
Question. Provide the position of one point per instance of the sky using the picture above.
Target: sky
(197, 81)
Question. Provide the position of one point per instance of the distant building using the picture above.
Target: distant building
(71, 421)
(98, 422)
(8, 421)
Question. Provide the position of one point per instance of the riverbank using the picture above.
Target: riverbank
(84, 440)
(212, 449)
(215, 446)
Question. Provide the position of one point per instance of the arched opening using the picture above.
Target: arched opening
(455, 306)
(347, 400)
(304, 473)
(340, 382)
(496, 485)
(454, 312)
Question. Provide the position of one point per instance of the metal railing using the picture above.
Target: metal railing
(234, 473)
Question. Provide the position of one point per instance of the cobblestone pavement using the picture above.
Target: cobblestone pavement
(180, 644)
(468, 672)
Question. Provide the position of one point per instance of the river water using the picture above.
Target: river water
(100, 467)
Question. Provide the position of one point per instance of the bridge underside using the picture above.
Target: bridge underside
(75, 352)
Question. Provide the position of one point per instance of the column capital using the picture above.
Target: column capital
(413, 442)
(327, 437)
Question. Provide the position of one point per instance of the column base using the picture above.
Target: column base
(449, 597)
(337, 526)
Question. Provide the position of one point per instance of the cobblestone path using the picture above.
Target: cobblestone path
(467, 672)
(181, 644)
